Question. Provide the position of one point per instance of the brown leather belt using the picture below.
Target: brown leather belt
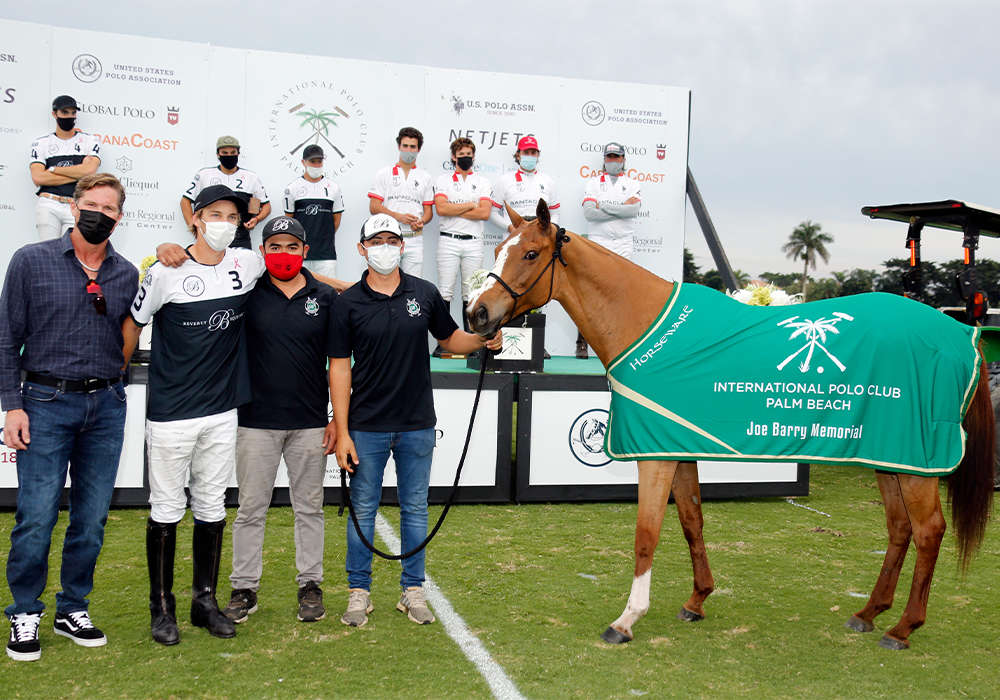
(49, 195)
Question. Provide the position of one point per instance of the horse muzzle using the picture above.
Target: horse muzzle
(486, 316)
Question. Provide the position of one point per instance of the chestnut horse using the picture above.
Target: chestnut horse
(613, 301)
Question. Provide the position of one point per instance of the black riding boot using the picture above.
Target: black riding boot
(207, 546)
(161, 540)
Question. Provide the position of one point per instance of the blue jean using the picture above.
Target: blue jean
(413, 451)
(85, 432)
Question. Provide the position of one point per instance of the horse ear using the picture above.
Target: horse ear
(515, 218)
(542, 212)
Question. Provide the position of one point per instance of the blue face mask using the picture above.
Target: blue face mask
(529, 163)
(408, 157)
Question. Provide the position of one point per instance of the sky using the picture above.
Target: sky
(803, 110)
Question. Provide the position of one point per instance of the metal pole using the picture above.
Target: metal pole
(711, 236)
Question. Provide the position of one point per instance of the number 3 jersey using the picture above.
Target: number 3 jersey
(199, 358)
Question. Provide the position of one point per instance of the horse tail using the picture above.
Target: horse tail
(970, 487)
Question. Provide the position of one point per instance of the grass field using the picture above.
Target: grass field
(538, 584)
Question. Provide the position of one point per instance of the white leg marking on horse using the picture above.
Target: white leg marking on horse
(500, 683)
(497, 270)
(637, 606)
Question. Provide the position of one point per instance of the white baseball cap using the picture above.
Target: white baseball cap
(380, 223)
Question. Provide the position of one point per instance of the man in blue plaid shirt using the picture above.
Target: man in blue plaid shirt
(61, 361)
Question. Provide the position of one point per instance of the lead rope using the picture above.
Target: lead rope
(345, 495)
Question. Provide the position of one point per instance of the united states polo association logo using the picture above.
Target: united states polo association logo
(87, 68)
(592, 113)
(312, 306)
(586, 437)
(412, 307)
(322, 113)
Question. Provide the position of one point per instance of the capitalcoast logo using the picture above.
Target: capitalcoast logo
(587, 172)
(87, 68)
(586, 437)
(323, 113)
(126, 111)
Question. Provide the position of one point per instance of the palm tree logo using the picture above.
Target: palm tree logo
(815, 337)
(320, 122)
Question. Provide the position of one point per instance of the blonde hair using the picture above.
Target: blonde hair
(89, 182)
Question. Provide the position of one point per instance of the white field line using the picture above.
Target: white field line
(500, 683)
(799, 505)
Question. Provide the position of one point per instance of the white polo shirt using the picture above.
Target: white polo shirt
(522, 190)
(52, 151)
(603, 191)
(406, 194)
(243, 181)
(459, 190)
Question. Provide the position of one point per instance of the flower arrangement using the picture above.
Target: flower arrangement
(765, 295)
(147, 262)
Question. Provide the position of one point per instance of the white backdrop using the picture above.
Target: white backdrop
(159, 106)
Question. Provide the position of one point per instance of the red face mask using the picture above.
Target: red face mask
(283, 266)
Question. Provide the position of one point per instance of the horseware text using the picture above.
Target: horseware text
(642, 359)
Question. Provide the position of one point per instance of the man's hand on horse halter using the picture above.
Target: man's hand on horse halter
(496, 342)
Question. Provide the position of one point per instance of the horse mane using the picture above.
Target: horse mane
(970, 487)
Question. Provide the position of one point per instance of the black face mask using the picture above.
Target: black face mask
(464, 162)
(66, 123)
(95, 226)
(229, 162)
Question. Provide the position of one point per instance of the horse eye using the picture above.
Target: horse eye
(531, 255)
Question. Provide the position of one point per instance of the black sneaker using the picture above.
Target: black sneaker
(242, 602)
(78, 627)
(23, 644)
(311, 603)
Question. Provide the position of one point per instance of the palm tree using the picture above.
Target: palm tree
(806, 242)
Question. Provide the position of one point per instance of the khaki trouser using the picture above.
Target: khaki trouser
(258, 453)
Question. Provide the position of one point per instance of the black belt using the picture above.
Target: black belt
(459, 236)
(70, 385)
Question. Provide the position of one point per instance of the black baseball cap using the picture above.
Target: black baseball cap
(214, 193)
(62, 102)
(283, 224)
(312, 151)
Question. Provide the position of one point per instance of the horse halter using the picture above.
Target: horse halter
(561, 238)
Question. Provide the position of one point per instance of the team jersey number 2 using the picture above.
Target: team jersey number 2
(237, 282)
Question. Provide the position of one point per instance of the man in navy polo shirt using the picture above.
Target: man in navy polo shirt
(384, 404)
(287, 323)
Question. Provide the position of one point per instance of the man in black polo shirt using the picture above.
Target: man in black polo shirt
(60, 323)
(287, 322)
(384, 404)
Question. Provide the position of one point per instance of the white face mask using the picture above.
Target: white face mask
(314, 172)
(613, 167)
(218, 234)
(384, 258)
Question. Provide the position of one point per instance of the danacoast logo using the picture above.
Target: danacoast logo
(138, 140)
(325, 113)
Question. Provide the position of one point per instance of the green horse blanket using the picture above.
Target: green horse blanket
(874, 379)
